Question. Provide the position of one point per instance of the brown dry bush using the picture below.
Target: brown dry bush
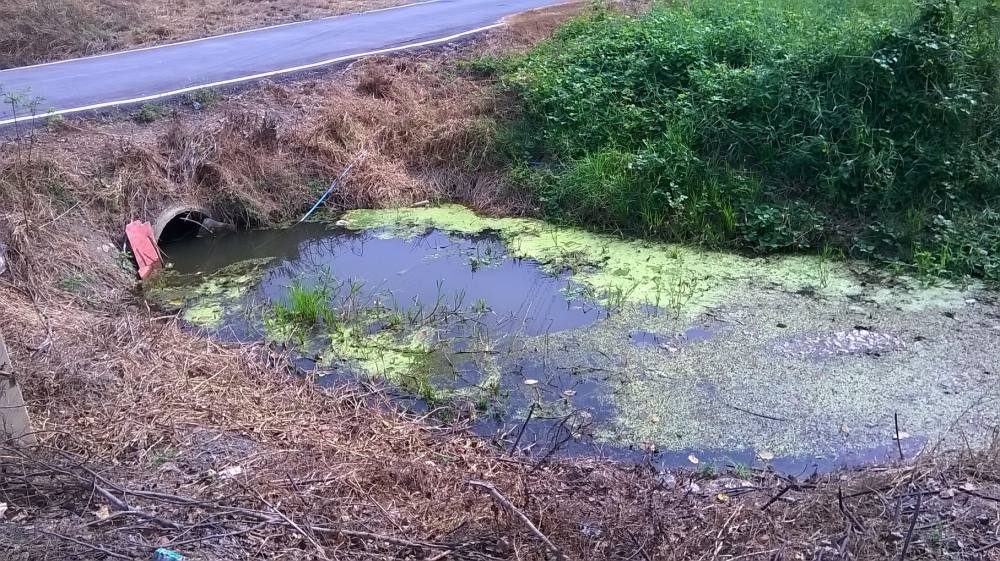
(39, 30)
(374, 81)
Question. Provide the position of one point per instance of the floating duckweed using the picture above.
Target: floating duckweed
(204, 314)
(206, 300)
(685, 279)
(732, 368)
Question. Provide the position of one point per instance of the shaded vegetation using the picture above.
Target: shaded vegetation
(772, 126)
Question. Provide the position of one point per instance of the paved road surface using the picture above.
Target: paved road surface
(146, 74)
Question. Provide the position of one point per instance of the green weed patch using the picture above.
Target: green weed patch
(872, 128)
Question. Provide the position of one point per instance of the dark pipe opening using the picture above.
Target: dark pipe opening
(185, 225)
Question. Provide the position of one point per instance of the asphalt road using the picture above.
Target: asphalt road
(144, 75)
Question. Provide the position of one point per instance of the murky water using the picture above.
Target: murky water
(489, 301)
(458, 326)
(433, 269)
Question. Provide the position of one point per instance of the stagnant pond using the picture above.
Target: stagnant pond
(618, 347)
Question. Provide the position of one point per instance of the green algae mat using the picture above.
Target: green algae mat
(632, 346)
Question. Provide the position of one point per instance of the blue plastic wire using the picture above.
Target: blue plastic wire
(328, 191)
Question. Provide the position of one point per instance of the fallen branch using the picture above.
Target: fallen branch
(497, 496)
(94, 483)
(979, 495)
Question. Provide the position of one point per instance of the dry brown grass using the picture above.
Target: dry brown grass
(150, 407)
(33, 31)
(38, 30)
(130, 403)
(258, 158)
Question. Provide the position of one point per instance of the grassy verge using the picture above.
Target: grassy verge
(868, 128)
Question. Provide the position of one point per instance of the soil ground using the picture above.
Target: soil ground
(152, 436)
(33, 31)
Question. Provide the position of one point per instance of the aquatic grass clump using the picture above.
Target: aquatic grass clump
(873, 128)
(307, 306)
(341, 325)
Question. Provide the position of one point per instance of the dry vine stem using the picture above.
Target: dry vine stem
(498, 496)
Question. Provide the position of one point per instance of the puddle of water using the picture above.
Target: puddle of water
(455, 315)
(646, 339)
(434, 269)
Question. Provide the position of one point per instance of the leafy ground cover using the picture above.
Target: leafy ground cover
(863, 128)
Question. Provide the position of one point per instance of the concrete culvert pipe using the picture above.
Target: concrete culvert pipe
(181, 221)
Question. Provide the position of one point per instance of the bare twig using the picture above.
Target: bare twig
(308, 535)
(899, 441)
(402, 542)
(855, 524)
(909, 532)
(780, 493)
(524, 425)
(94, 547)
(217, 536)
(754, 413)
(986, 547)
(497, 496)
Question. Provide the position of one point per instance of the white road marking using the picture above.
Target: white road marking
(200, 39)
(248, 78)
(154, 47)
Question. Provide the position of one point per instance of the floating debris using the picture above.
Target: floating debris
(144, 249)
(671, 343)
(841, 343)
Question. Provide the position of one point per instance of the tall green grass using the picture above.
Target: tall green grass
(777, 125)
(306, 307)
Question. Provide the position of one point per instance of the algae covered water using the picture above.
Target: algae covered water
(624, 347)
(408, 275)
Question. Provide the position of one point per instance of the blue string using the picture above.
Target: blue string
(327, 194)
